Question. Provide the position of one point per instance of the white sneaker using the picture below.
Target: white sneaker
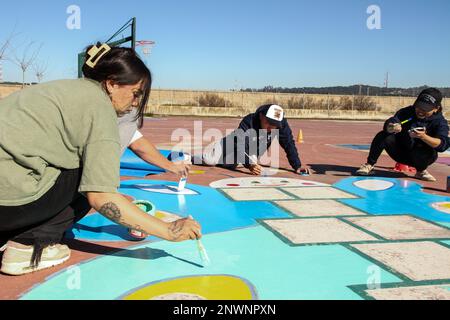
(365, 170)
(425, 176)
(17, 260)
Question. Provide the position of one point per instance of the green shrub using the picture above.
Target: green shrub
(214, 100)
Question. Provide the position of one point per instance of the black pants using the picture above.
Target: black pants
(44, 221)
(417, 155)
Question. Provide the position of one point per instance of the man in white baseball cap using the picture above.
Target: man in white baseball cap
(235, 149)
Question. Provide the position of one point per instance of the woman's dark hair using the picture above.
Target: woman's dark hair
(123, 66)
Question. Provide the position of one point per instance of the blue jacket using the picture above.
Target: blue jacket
(263, 141)
(436, 127)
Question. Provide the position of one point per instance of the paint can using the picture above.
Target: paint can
(181, 157)
(148, 208)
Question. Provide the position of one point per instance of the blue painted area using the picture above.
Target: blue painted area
(278, 271)
(365, 147)
(214, 211)
(137, 173)
(355, 146)
(405, 197)
(132, 165)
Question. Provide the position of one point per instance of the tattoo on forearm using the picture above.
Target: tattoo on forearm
(111, 211)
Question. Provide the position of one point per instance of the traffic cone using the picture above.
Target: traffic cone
(300, 136)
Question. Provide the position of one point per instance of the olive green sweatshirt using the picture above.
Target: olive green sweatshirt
(65, 124)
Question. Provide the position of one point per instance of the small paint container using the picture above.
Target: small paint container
(148, 208)
(181, 157)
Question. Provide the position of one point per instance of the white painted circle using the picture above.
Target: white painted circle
(373, 184)
(263, 182)
(179, 296)
(160, 188)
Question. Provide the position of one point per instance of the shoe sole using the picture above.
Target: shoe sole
(17, 269)
(371, 173)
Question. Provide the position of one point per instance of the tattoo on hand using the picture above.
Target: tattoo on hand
(175, 228)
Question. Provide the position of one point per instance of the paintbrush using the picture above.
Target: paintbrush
(255, 162)
(406, 121)
(182, 184)
(202, 250)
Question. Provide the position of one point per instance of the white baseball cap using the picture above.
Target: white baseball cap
(275, 115)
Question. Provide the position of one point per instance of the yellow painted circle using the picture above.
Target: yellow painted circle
(210, 287)
(197, 172)
(442, 206)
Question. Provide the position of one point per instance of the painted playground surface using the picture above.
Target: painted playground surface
(326, 236)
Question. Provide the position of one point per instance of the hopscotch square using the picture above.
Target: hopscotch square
(317, 231)
(431, 292)
(255, 194)
(416, 260)
(318, 208)
(319, 193)
(401, 227)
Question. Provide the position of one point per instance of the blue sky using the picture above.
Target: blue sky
(232, 44)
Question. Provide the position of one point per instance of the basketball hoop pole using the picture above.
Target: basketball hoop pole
(131, 38)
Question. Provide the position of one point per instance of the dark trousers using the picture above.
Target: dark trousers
(44, 221)
(417, 155)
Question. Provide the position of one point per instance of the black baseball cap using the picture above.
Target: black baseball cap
(429, 99)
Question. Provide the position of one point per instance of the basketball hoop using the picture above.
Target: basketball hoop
(146, 45)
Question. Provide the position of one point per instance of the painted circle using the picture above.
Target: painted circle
(209, 287)
(179, 296)
(373, 184)
(263, 182)
(442, 206)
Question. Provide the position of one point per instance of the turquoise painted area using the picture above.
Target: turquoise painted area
(278, 271)
(405, 197)
(445, 224)
(214, 211)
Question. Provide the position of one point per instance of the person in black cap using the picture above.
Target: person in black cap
(414, 136)
(250, 141)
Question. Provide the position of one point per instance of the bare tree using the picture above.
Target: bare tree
(4, 46)
(39, 70)
(26, 59)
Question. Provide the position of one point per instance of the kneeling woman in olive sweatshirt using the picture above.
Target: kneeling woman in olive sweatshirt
(60, 156)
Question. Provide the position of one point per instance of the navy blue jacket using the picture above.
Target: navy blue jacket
(436, 127)
(252, 121)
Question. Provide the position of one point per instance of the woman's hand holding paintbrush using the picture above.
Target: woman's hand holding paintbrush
(397, 127)
(394, 128)
(184, 229)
